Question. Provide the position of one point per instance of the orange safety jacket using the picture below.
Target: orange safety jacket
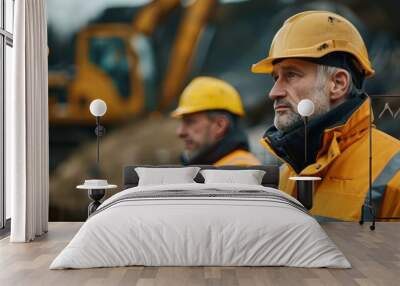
(238, 158)
(343, 164)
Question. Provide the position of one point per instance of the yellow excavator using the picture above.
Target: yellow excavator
(110, 59)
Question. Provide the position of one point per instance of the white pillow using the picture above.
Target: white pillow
(162, 176)
(248, 177)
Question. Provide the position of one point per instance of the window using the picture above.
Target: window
(6, 43)
(109, 54)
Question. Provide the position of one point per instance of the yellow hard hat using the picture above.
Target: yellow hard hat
(314, 34)
(208, 93)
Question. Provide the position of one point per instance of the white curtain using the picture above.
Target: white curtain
(27, 124)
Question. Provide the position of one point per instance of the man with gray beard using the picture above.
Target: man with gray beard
(320, 56)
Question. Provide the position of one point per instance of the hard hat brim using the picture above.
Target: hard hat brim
(266, 64)
(263, 66)
(179, 112)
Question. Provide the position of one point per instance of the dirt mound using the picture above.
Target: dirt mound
(146, 141)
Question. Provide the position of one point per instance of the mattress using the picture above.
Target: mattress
(201, 225)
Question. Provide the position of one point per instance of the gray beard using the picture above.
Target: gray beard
(322, 106)
(291, 121)
(189, 155)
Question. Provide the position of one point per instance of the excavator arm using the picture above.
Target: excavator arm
(184, 49)
(148, 18)
(186, 41)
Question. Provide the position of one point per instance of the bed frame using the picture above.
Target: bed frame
(271, 178)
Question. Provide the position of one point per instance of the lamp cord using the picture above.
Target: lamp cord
(305, 139)
(98, 139)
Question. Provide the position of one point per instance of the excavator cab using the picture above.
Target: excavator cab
(107, 68)
(110, 56)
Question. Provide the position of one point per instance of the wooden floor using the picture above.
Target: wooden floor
(374, 255)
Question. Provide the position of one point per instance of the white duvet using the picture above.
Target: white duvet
(183, 231)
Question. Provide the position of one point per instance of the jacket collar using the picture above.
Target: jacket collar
(235, 139)
(328, 136)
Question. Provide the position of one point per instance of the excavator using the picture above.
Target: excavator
(113, 63)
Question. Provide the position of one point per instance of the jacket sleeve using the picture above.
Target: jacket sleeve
(391, 202)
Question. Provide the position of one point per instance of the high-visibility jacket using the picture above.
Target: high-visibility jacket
(343, 164)
(238, 158)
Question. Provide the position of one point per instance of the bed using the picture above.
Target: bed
(201, 223)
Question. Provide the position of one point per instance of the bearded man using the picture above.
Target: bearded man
(321, 56)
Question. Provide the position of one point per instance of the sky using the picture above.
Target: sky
(67, 16)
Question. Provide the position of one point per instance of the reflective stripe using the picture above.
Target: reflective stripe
(380, 183)
(324, 219)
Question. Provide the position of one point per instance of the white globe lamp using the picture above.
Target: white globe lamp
(305, 108)
(98, 107)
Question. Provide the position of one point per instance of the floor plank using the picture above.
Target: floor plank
(374, 255)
